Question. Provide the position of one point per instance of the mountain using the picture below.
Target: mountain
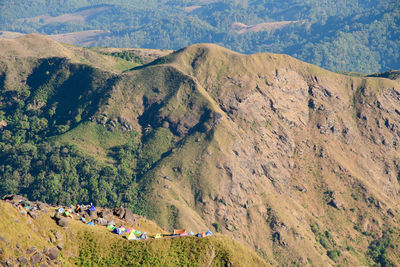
(33, 236)
(341, 35)
(300, 163)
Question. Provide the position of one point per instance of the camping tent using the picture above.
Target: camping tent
(158, 236)
(132, 236)
(179, 231)
(118, 231)
(209, 233)
(91, 223)
(143, 236)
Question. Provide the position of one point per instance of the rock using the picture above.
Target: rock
(63, 222)
(22, 211)
(129, 217)
(9, 263)
(104, 213)
(22, 260)
(14, 198)
(58, 235)
(31, 250)
(41, 206)
(2, 239)
(168, 178)
(36, 258)
(101, 221)
(93, 214)
(32, 214)
(120, 212)
(53, 253)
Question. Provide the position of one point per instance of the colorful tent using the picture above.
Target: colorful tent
(90, 223)
(118, 231)
(179, 231)
(158, 236)
(143, 236)
(199, 235)
(110, 226)
(191, 233)
(209, 233)
(132, 236)
(137, 232)
(92, 208)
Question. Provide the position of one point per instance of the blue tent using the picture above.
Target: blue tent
(92, 208)
(143, 236)
(91, 223)
(209, 233)
(198, 235)
(118, 231)
(191, 233)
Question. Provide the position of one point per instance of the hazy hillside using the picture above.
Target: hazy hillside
(297, 162)
(338, 35)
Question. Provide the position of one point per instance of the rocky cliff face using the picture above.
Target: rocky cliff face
(294, 146)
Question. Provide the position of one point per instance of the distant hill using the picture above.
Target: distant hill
(299, 163)
(352, 36)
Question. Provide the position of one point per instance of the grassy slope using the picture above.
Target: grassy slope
(96, 246)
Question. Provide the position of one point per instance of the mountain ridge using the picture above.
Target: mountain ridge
(298, 162)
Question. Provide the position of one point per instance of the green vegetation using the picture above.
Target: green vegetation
(326, 240)
(357, 36)
(378, 249)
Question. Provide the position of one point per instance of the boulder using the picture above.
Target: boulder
(63, 222)
(22, 211)
(2, 239)
(104, 213)
(36, 258)
(23, 261)
(101, 221)
(41, 206)
(33, 214)
(31, 250)
(120, 212)
(58, 235)
(93, 214)
(14, 198)
(9, 263)
(52, 253)
(128, 216)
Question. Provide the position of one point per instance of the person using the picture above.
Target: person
(78, 208)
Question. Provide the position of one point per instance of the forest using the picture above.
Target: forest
(356, 36)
